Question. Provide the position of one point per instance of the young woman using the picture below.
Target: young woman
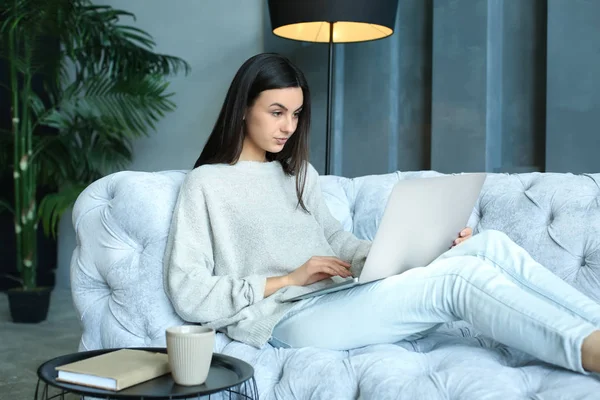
(250, 225)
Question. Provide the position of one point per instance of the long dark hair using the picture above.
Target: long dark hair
(261, 72)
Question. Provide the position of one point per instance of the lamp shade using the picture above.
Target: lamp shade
(353, 20)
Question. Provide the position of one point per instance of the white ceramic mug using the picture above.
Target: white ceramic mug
(190, 350)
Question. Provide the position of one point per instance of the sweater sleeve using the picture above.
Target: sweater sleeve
(346, 246)
(196, 294)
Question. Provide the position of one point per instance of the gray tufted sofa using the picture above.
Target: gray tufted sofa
(122, 222)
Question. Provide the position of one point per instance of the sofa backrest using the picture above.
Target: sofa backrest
(122, 222)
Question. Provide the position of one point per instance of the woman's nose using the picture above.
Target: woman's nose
(288, 125)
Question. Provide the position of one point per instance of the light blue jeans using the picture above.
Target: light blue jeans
(488, 281)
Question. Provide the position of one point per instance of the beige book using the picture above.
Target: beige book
(116, 370)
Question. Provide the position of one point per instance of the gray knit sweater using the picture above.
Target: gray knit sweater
(233, 227)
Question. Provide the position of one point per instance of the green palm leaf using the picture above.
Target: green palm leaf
(105, 154)
(53, 154)
(6, 206)
(100, 44)
(130, 109)
(53, 206)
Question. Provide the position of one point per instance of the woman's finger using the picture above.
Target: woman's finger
(341, 270)
(321, 270)
(331, 270)
(459, 241)
(339, 261)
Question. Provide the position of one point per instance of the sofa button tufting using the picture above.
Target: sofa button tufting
(532, 395)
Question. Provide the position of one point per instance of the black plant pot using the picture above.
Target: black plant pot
(29, 306)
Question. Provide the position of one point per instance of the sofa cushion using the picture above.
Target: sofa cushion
(121, 224)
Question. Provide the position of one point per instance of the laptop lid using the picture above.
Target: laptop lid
(421, 219)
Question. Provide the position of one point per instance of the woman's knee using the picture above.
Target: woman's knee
(503, 241)
(463, 274)
(485, 243)
(461, 266)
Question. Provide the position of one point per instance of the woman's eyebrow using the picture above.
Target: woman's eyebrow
(284, 107)
(279, 105)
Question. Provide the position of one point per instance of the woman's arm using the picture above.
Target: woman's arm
(315, 269)
(196, 294)
(275, 283)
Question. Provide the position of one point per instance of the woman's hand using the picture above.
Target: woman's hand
(462, 236)
(318, 268)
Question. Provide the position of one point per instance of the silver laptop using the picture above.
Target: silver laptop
(421, 219)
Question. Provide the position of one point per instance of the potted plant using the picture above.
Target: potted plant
(103, 87)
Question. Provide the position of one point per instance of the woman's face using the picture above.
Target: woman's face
(271, 121)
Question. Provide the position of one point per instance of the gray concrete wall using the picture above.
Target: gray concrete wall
(523, 85)
(387, 97)
(488, 108)
(573, 102)
(459, 85)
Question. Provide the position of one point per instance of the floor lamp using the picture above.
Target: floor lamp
(332, 21)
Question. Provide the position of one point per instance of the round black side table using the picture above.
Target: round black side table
(228, 376)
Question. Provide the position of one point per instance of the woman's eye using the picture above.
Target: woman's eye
(296, 115)
(276, 113)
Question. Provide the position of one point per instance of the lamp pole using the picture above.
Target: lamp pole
(328, 133)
